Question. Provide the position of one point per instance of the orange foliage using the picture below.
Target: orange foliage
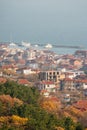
(4, 119)
(8, 99)
(67, 114)
(18, 120)
(13, 120)
(59, 128)
(75, 112)
(50, 105)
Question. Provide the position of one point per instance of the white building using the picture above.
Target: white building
(28, 71)
(47, 85)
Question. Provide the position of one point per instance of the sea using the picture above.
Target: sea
(60, 49)
(64, 50)
(68, 48)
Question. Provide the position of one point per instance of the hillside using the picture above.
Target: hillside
(23, 108)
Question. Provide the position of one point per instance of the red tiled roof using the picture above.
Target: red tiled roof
(44, 91)
(76, 80)
(68, 79)
(82, 105)
(84, 81)
(47, 82)
(68, 73)
(2, 80)
(23, 81)
(7, 66)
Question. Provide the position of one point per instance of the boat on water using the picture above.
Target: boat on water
(26, 44)
(35, 45)
(48, 46)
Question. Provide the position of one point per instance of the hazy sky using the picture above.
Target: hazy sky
(54, 21)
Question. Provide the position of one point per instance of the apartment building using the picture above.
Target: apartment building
(54, 76)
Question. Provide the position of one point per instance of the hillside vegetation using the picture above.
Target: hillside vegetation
(22, 108)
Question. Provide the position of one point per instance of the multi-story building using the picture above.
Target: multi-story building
(47, 85)
(72, 84)
(54, 76)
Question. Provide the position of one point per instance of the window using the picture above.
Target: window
(44, 86)
(50, 73)
(53, 73)
(57, 73)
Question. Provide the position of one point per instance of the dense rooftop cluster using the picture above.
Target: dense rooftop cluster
(60, 77)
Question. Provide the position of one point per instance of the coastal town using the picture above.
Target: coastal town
(59, 79)
(43, 65)
(62, 76)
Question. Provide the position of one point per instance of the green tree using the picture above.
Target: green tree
(68, 123)
(79, 127)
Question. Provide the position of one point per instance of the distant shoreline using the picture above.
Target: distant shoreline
(53, 45)
(64, 46)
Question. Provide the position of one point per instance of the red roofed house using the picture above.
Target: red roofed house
(45, 93)
(24, 82)
(47, 85)
(81, 105)
(74, 83)
(2, 80)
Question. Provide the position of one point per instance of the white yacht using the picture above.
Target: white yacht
(48, 46)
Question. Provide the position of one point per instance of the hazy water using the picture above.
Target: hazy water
(66, 50)
(61, 22)
(58, 50)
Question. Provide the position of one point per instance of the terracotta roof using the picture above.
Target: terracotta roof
(2, 80)
(69, 73)
(23, 81)
(82, 105)
(7, 66)
(44, 91)
(68, 79)
(47, 82)
(84, 81)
